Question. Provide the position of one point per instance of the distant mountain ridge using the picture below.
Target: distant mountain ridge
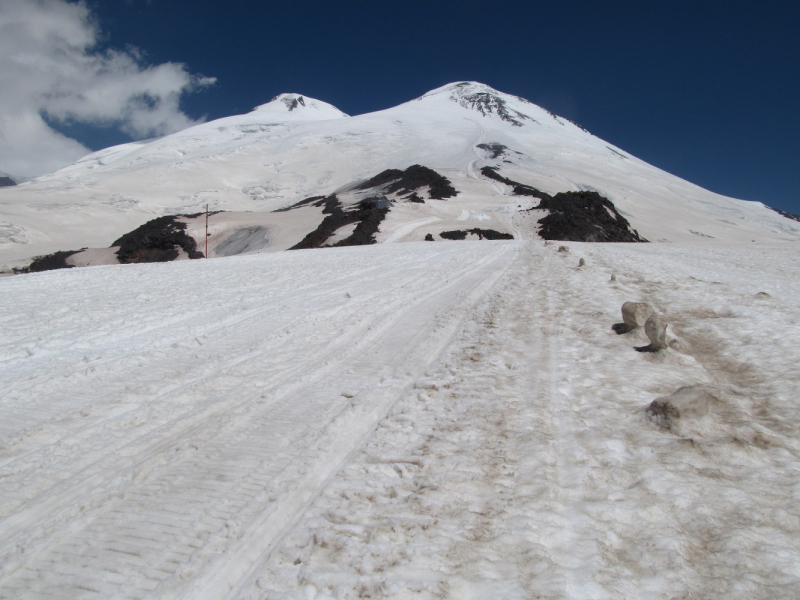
(295, 148)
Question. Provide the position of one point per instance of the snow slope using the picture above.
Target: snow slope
(449, 420)
(285, 151)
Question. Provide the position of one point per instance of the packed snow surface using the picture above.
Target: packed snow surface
(448, 420)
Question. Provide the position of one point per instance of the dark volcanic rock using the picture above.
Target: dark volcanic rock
(156, 241)
(458, 234)
(312, 201)
(520, 189)
(410, 180)
(584, 217)
(488, 234)
(783, 213)
(368, 214)
(487, 103)
(574, 216)
(491, 234)
(7, 182)
(51, 262)
(292, 103)
(493, 150)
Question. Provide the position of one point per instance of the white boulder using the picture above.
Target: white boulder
(635, 314)
(689, 403)
(656, 330)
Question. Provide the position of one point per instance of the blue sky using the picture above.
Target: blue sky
(709, 91)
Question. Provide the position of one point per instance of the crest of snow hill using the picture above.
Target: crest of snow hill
(483, 166)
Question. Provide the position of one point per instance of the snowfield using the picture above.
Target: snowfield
(418, 420)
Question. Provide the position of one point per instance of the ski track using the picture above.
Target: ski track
(523, 466)
(450, 420)
(116, 511)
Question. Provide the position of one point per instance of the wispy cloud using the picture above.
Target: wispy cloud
(50, 66)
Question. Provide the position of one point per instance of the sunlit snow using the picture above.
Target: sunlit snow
(420, 420)
(408, 419)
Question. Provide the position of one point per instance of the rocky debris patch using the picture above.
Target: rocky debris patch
(368, 215)
(488, 234)
(409, 181)
(158, 240)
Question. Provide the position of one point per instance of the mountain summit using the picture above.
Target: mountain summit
(516, 169)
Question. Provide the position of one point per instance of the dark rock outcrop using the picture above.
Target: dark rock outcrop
(487, 103)
(7, 182)
(368, 215)
(51, 262)
(157, 241)
(413, 178)
(783, 213)
(584, 217)
(493, 150)
(487, 234)
(519, 189)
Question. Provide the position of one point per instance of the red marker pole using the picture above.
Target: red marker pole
(206, 230)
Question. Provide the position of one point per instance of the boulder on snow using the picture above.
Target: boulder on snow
(634, 315)
(582, 262)
(656, 330)
(564, 249)
(688, 403)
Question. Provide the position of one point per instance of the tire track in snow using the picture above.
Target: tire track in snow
(410, 350)
(243, 426)
(577, 553)
(185, 316)
(317, 292)
(92, 486)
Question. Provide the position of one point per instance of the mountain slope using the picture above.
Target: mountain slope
(295, 148)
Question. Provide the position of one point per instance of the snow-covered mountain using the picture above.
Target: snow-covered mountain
(406, 421)
(500, 153)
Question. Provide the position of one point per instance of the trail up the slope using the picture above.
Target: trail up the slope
(449, 420)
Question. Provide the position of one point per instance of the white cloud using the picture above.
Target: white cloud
(50, 65)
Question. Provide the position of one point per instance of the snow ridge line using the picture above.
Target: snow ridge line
(239, 570)
(144, 457)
